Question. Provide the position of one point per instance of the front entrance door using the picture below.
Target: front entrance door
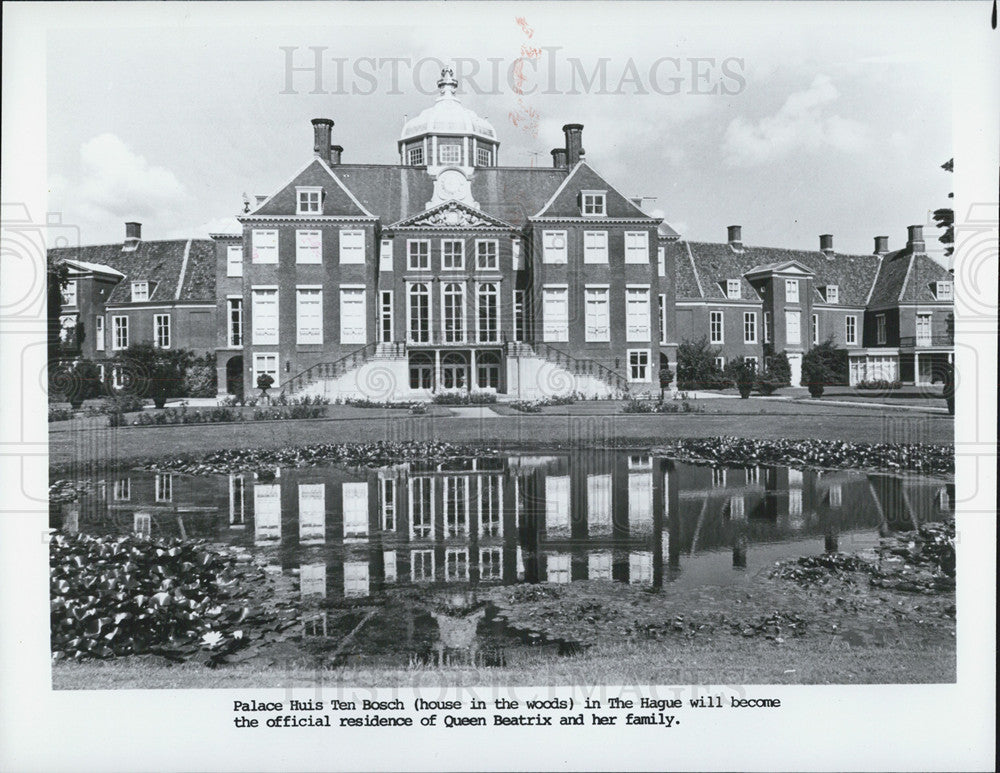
(488, 371)
(454, 371)
(234, 376)
(795, 364)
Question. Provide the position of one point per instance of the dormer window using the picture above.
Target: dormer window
(310, 201)
(593, 203)
(140, 292)
(733, 289)
(832, 294)
(416, 156)
(944, 291)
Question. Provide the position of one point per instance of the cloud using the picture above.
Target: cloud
(116, 182)
(800, 124)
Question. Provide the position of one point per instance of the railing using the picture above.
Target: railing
(577, 365)
(450, 338)
(944, 339)
(325, 370)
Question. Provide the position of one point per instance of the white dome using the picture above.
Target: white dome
(447, 116)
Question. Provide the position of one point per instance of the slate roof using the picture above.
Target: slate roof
(158, 262)
(907, 278)
(566, 203)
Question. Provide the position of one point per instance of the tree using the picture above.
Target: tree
(743, 374)
(780, 370)
(696, 368)
(945, 217)
(817, 371)
(151, 372)
(56, 279)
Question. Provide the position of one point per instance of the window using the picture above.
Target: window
(832, 294)
(419, 314)
(718, 477)
(517, 260)
(140, 292)
(767, 327)
(850, 329)
(519, 315)
(265, 246)
(164, 487)
(452, 255)
(715, 328)
(450, 154)
(99, 333)
(488, 312)
(557, 492)
(421, 507)
(636, 247)
(487, 255)
(352, 246)
(354, 496)
(456, 564)
(387, 503)
(421, 371)
(553, 246)
(924, 337)
(357, 581)
(751, 361)
(235, 321)
(750, 327)
(815, 329)
(720, 363)
(640, 501)
(453, 311)
(234, 260)
(237, 501)
(557, 569)
(308, 246)
(638, 365)
(119, 331)
(593, 203)
(418, 255)
(385, 256)
(308, 315)
(490, 563)
(386, 317)
(265, 363)
(597, 327)
(488, 371)
(555, 314)
(161, 331)
(944, 291)
(484, 157)
(595, 246)
(352, 315)
(310, 201)
(637, 318)
(734, 290)
(422, 565)
(456, 505)
(598, 505)
(69, 293)
(661, 261)
(662, 301)
(880, 334)
(264, 315)
(416, 156)
(122, 490)
(793, 321)
(836, 495)
(791, 291)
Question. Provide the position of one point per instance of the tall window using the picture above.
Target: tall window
(793, 320)
(416, 156)
(308, 315)
(99, 332)
(119, 330)
(791, 291)
(636, 247)
(815, 329)
(69, 293)
(161, 331)
(595, 246)
(767, 327)
(386, 316)
(661, 261)
(453, 305)
(750, 327)
(352, 245)
(387, 503)
(487, 258)
(264, 243)
(715, 328)
(638, 365)
(662, 301)
(593, 203)
(516, 259)
(264, 315)
(555, 313)
(234, 260)
(421, 507)
(553, 246)
(924, 337)
(385, 256)
(140, 292)
(418, 255)
(850, 329)
(519, 331)
(452, 255)
(308, 246)
(235, 316)
(880, 330)
(310, 201)
(352, 315)
(164, 487)
(456, 505)
(487, 303)
(597, 317)
(419, 301)
(637, 314)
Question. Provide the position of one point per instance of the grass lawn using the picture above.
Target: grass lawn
(907, 396)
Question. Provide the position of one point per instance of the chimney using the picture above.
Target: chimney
(881, 245)
(915, 239)
(133, 232)
(574, 143)
(322, 128)
(826, 244)
(558, 158)
(335, 151)
(736, 237)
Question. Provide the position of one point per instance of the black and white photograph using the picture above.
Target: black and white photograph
(447, 371)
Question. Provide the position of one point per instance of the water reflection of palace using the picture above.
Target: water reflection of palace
(589, 515)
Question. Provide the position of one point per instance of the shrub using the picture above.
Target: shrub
(75, 381)
(767, 384)
(151, 372)
(60, 414)
(200, 378)
(639, 406)
(879, 384)
(418, 409)
(780, 370)
(743, 375)
(465, 398)
(696, 368)
(527, 406)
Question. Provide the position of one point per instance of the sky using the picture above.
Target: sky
(791, 120)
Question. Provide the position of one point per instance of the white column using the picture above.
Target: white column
(473, 378)
(916, 368)
(437, 369)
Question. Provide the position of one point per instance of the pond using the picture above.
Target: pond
(402, 551)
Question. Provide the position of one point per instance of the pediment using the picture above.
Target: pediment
(452, 214)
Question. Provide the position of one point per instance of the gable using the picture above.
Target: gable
(337, 199)
(452, 214)
(565, 203)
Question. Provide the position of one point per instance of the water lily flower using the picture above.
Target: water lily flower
(212, 639)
